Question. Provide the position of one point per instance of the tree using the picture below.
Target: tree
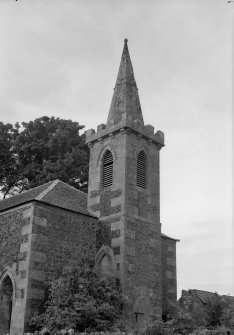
(8, 168)
(80, 300)
(218, 311)
(45, 149)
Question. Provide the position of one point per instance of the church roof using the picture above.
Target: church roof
(56, 193)
(125, 102)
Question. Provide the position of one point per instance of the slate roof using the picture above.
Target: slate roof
(56, 193)
(206, 295)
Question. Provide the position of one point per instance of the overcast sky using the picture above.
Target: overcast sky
(61, 58)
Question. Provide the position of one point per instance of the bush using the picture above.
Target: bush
(80, 300)
(183, 326)
(159, 327)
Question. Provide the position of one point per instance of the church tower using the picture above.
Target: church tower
(124, 193)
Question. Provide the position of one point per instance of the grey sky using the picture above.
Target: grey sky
(61, 58)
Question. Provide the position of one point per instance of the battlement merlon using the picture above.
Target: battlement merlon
(125, 125)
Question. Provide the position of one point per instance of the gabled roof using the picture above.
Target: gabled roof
(206, 295)
(24, 197)
(56, 193)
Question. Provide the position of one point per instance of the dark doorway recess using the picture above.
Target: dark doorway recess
(6, 294)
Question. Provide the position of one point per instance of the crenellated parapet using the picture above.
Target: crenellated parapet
(126, 125)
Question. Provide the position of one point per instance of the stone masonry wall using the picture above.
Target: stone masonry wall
(169, 283)
(14, 260)
(132, 214)
(143, 230)
(107, 203)
(10, 229)
(60, 239)
(142, 266)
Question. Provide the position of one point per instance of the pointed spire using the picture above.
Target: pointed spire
(125, 102)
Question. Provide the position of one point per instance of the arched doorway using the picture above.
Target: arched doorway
(6, 295)
(142, 311)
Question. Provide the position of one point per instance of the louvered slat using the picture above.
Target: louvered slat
(107, 175)
(141, 170)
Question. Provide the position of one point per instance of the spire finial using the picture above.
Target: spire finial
(125, 40)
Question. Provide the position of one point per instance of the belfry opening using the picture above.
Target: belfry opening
(6, 296)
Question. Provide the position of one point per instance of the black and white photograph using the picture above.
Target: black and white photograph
(116, 167)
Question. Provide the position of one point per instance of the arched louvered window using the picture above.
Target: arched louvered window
(107, 172)
(141, 170)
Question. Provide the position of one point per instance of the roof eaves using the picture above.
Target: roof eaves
(7, 209)
(67, 209)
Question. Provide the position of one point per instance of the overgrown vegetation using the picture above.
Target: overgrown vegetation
(217, 317)
(80, 300)
(218, 311)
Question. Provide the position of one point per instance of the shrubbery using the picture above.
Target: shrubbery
(183, 326)
(83, 301)
(177, 326)
(159, 328)
(80, 300)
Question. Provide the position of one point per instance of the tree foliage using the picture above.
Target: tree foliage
(42, 150)
(80, 300)
(8, 168)
(219, 311)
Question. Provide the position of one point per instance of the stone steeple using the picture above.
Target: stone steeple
(124, 194)
(125, 102)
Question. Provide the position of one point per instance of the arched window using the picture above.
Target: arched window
(105, 266)
(107, 172)
(141, 170)
(105, 262)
